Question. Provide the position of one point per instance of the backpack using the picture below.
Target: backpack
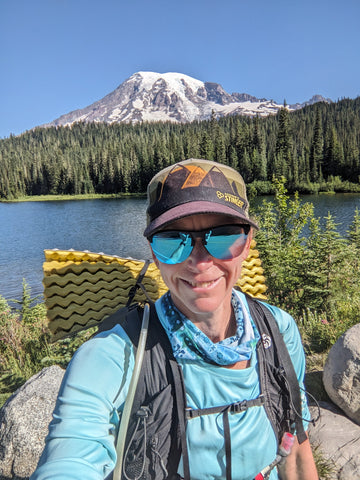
(156, 436)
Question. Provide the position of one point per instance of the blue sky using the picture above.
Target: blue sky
(61, 55)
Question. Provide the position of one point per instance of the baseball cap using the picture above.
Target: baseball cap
(195, 186)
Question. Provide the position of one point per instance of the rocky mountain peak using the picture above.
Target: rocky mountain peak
(175, 97)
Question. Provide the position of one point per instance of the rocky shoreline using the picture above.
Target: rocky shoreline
(24, 418)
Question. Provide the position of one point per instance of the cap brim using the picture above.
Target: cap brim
(193, 208)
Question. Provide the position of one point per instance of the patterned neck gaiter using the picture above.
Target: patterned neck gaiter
(190, 343)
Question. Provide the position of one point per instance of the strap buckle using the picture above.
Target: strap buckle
(238, 407)
(191, 413)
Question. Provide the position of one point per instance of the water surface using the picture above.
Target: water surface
(111, 226)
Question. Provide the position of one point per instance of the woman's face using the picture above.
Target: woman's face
(202, 284)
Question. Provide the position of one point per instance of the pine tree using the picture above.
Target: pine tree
(324, 266)
(65, 159)
(316, 152)
(259, 153)
(206, 147)
(281, 246)
(220, 149)
(354, 230)
(283, 141)
(245, 167)
(334, 155)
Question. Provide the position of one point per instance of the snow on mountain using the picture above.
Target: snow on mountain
(175, 97)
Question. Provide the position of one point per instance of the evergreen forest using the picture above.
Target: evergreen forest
(316, 148)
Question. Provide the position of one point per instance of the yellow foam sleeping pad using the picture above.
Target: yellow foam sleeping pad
(83, 288)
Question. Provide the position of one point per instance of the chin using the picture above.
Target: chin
(203, 306)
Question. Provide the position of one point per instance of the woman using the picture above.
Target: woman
(199, 231)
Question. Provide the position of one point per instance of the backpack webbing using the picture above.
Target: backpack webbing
(267, 324)
(278, 359)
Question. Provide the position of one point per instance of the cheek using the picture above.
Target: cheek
(244, 255)
(236, 269)
(167, 272)
(164, 269)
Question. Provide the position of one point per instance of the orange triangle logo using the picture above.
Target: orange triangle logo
(197, 175)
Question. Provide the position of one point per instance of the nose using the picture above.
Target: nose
(199, 257)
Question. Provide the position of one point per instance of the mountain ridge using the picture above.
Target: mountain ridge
(171, 96)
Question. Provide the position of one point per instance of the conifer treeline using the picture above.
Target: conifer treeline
(307, 147)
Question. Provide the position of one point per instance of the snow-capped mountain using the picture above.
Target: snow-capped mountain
(150, 96)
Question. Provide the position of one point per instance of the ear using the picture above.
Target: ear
(246, 250)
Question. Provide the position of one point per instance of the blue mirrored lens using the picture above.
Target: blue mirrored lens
(223, 242)
(171, 247)
(225, 247)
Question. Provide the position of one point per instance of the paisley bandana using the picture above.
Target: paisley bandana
(190, 343)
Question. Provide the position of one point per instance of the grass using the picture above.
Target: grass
(8, 385)
(25, 343)
(313, 377)
(85, 196)
(325, 466)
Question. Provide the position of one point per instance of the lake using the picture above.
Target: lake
(111, 226)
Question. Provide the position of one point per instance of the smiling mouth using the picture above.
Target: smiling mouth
(194, 284)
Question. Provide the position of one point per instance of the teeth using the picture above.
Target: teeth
(201, 284)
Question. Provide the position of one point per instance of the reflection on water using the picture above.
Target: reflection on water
(111, 226)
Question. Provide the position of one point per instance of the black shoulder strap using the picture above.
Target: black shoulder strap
(181, 412)
(139, 284)
(159, 363)
(129, 314)
(267, 324)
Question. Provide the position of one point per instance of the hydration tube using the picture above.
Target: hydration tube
(284, 450)
(125, 417)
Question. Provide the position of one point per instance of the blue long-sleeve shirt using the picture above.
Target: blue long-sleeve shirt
(81, 440)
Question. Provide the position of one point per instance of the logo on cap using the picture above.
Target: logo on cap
(195, 186)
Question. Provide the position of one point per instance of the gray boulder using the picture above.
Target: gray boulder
(25, 417)
(24, 421)
(341, 375)
(337, 438)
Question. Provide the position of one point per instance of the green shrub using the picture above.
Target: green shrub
(316, 277)
(259, 188)
(318, 333)
(25, 343)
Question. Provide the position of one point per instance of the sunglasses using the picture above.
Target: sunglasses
(223, 242)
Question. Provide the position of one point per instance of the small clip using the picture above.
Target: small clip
(143, 412)
(239, 406)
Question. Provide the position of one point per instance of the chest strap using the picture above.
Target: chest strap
(236, 407)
